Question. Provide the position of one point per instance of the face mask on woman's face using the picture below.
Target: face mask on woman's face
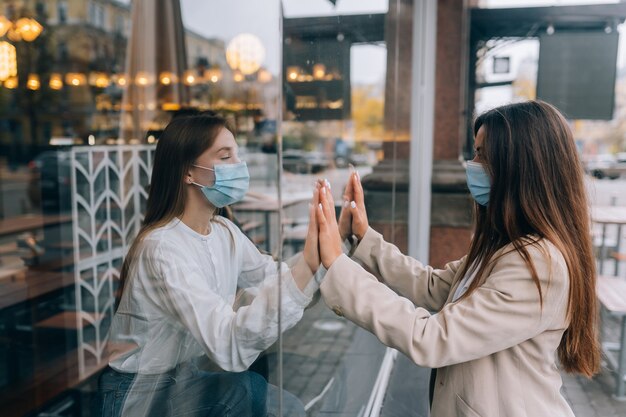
(231, 184)
(478, 182)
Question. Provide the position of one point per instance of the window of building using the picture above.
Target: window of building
(62, 10)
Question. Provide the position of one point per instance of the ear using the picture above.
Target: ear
(188, 178)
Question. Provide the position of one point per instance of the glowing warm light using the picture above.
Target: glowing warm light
(8, 61)
(237, 76)
(337, 104)
(143, 79)
(120, 80)
(5, 25)
(29, 29)
(292, 73)
(56, 82)
(151, 139)
(190, 78)
(170, 106)
(11, 83)
(99, 79)
(14, 35)
(319, 71)
(33, 82)
(75, 79)
(91, 140)
(264, 76)
(102, 81)
(245, 53)
(167, 78)
(213, 74)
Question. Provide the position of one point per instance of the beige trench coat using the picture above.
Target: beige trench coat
(495, 350)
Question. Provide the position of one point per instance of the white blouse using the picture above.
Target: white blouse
(465, 283)
(180, 300)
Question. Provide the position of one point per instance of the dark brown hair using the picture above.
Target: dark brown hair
(181, 143)
(538, 192)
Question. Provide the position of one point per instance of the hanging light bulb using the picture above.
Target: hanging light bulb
(8, 61)
(75, 79)
(99, 79)
(167, 78)
(143, 78)
(119, 79)
(245, 52)
(237, 76)
(213, 74)
(33, 82)
(293, 72)
(319, 71)
(550, 29)
(5, 25)
(190, 77)
(102, 80)
(11, 83)
(29, 29)
(56, 82)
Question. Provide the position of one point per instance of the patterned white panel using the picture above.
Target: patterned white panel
(109, 191)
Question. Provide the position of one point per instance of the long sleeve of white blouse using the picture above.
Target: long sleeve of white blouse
(232, 339)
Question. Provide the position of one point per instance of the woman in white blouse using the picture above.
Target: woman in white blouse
(180, 280)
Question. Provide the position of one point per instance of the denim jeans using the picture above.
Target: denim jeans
(187, 391)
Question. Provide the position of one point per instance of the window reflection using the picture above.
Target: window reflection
(79, 123)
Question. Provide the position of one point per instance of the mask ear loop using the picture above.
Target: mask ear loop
(201, 167)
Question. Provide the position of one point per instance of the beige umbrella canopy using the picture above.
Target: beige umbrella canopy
(156, 60)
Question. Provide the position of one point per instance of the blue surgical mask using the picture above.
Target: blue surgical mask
(231, 184)
(478, 182)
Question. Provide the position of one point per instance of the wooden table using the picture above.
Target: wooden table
(605, 216)
(267, 204)
(28, 222)
(33, 284)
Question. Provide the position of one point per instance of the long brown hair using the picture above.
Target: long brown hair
(181, 143)
(538, 192)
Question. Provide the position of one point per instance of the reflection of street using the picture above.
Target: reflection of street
(329, 363)
(295, 216)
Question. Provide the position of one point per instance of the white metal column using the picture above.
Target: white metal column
(421, 159)
(422, 126)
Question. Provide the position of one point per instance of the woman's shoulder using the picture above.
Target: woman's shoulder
(228, 227)
(162, 238)
(546, 257)
(225, 222)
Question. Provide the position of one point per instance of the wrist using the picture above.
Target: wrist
(332, 259)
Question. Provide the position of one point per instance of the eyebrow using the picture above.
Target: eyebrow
(225, 148)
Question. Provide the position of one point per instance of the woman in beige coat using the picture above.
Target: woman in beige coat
(523, 295)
